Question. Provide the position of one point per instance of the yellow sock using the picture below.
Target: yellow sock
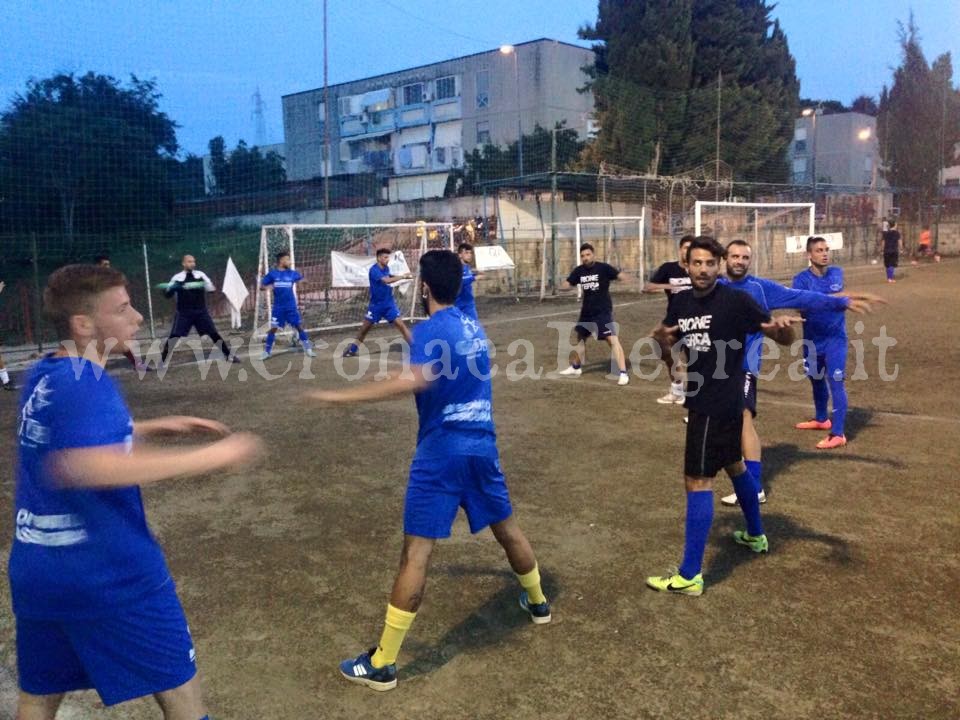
(531, 583)
(394, 630)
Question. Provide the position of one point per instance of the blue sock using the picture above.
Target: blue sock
(302, 334)
(699, 520)
(890, 272)
(753, 467)
(575, 366)
(746, 491)
(838, 393)
(821, 396)
(271, 338)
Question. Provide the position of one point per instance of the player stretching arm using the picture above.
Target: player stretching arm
(93, 599)
(285, 311)
(382, 305)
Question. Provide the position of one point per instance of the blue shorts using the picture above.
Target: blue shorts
(830, 361)
(285, 316)
(385, 311)
(138, 650)
(439, 486)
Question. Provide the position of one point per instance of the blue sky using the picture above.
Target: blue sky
(209, 57)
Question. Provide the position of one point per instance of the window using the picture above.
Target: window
(483, 132)
(800, 146)
(344, 106)
(483, 89)
(446, 88)
(440, 155)
(413, 94)
(321, 112)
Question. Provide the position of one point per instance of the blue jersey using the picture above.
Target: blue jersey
(771, 295)
(824, 326)
(77, 553)
(380, 292)
(455, 409)
(283, 282)
(465, 302)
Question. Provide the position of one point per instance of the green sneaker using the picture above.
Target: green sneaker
(677, 584)
(758, 544)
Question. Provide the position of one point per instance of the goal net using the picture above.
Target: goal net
(766, 226)
(617, 240)
(329, 300)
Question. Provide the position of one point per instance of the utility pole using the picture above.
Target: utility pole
(716, 177)
(940, 161)
(326, 124)
(553, 207)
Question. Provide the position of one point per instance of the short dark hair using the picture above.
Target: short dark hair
(441, 271)
(383, 251)
(281, 254)
(685, 239)
(586, 246)
(893, 224)
(813, 240)
(464, 246)
(101, 258)
(738, 241)
(708, 243)
(72, 290)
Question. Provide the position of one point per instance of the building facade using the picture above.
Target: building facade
(411, 128)
(841, 148)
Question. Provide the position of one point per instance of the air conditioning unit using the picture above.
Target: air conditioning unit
(364, 117)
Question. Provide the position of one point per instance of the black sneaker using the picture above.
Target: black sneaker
(9, 386)
(361, 670)
(539, 612)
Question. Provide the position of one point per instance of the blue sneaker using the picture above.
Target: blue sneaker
(360, 670)
(351, 351)
(539, 612)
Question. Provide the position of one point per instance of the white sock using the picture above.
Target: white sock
(676, 388)
(4, 376)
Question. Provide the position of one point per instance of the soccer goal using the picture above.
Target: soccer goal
(334, 261)
(617, 240)
(766, 226)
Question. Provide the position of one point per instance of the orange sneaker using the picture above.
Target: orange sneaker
(814, 425)
(832, 441)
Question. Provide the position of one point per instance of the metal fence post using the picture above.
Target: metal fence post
(37, 302)
(146, 272)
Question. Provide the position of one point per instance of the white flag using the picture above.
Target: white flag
(354, 270)
(235, 291)
(492, 257)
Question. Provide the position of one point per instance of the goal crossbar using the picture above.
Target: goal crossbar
(700, 204)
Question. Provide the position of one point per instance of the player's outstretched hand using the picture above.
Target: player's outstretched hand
(180, 425)
(327, 396)
(862, 302)
(236, 449)
(782, 321)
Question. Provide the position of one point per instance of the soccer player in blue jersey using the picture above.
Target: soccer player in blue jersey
(285, 311)
(455, 465)
(94, 602)
(465, 301)
(770, 295)
(827, 333)
(713, 321)
(382, 305)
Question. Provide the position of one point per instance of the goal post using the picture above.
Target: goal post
(617, 240)
(325, 305)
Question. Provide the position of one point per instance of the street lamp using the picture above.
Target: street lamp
(511, 50)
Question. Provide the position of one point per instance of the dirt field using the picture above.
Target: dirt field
(285, 569)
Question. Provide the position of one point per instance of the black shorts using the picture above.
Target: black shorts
(183, 323)
(891, 259)
(750, 393)
(713, 443)
(601, 326)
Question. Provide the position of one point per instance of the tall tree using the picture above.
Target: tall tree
(662, 65)
(918, 123)
(865, 104)
(87, 153)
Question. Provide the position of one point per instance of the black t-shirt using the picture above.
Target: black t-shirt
(673, 274)
(723, 316)
(594, 281)
(194, 300)
(891, 241)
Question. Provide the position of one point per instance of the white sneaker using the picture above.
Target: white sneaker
(264, 355)
(623, 379)
(667, 399)
(571, 372)
(310, 352)
(732, 498)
